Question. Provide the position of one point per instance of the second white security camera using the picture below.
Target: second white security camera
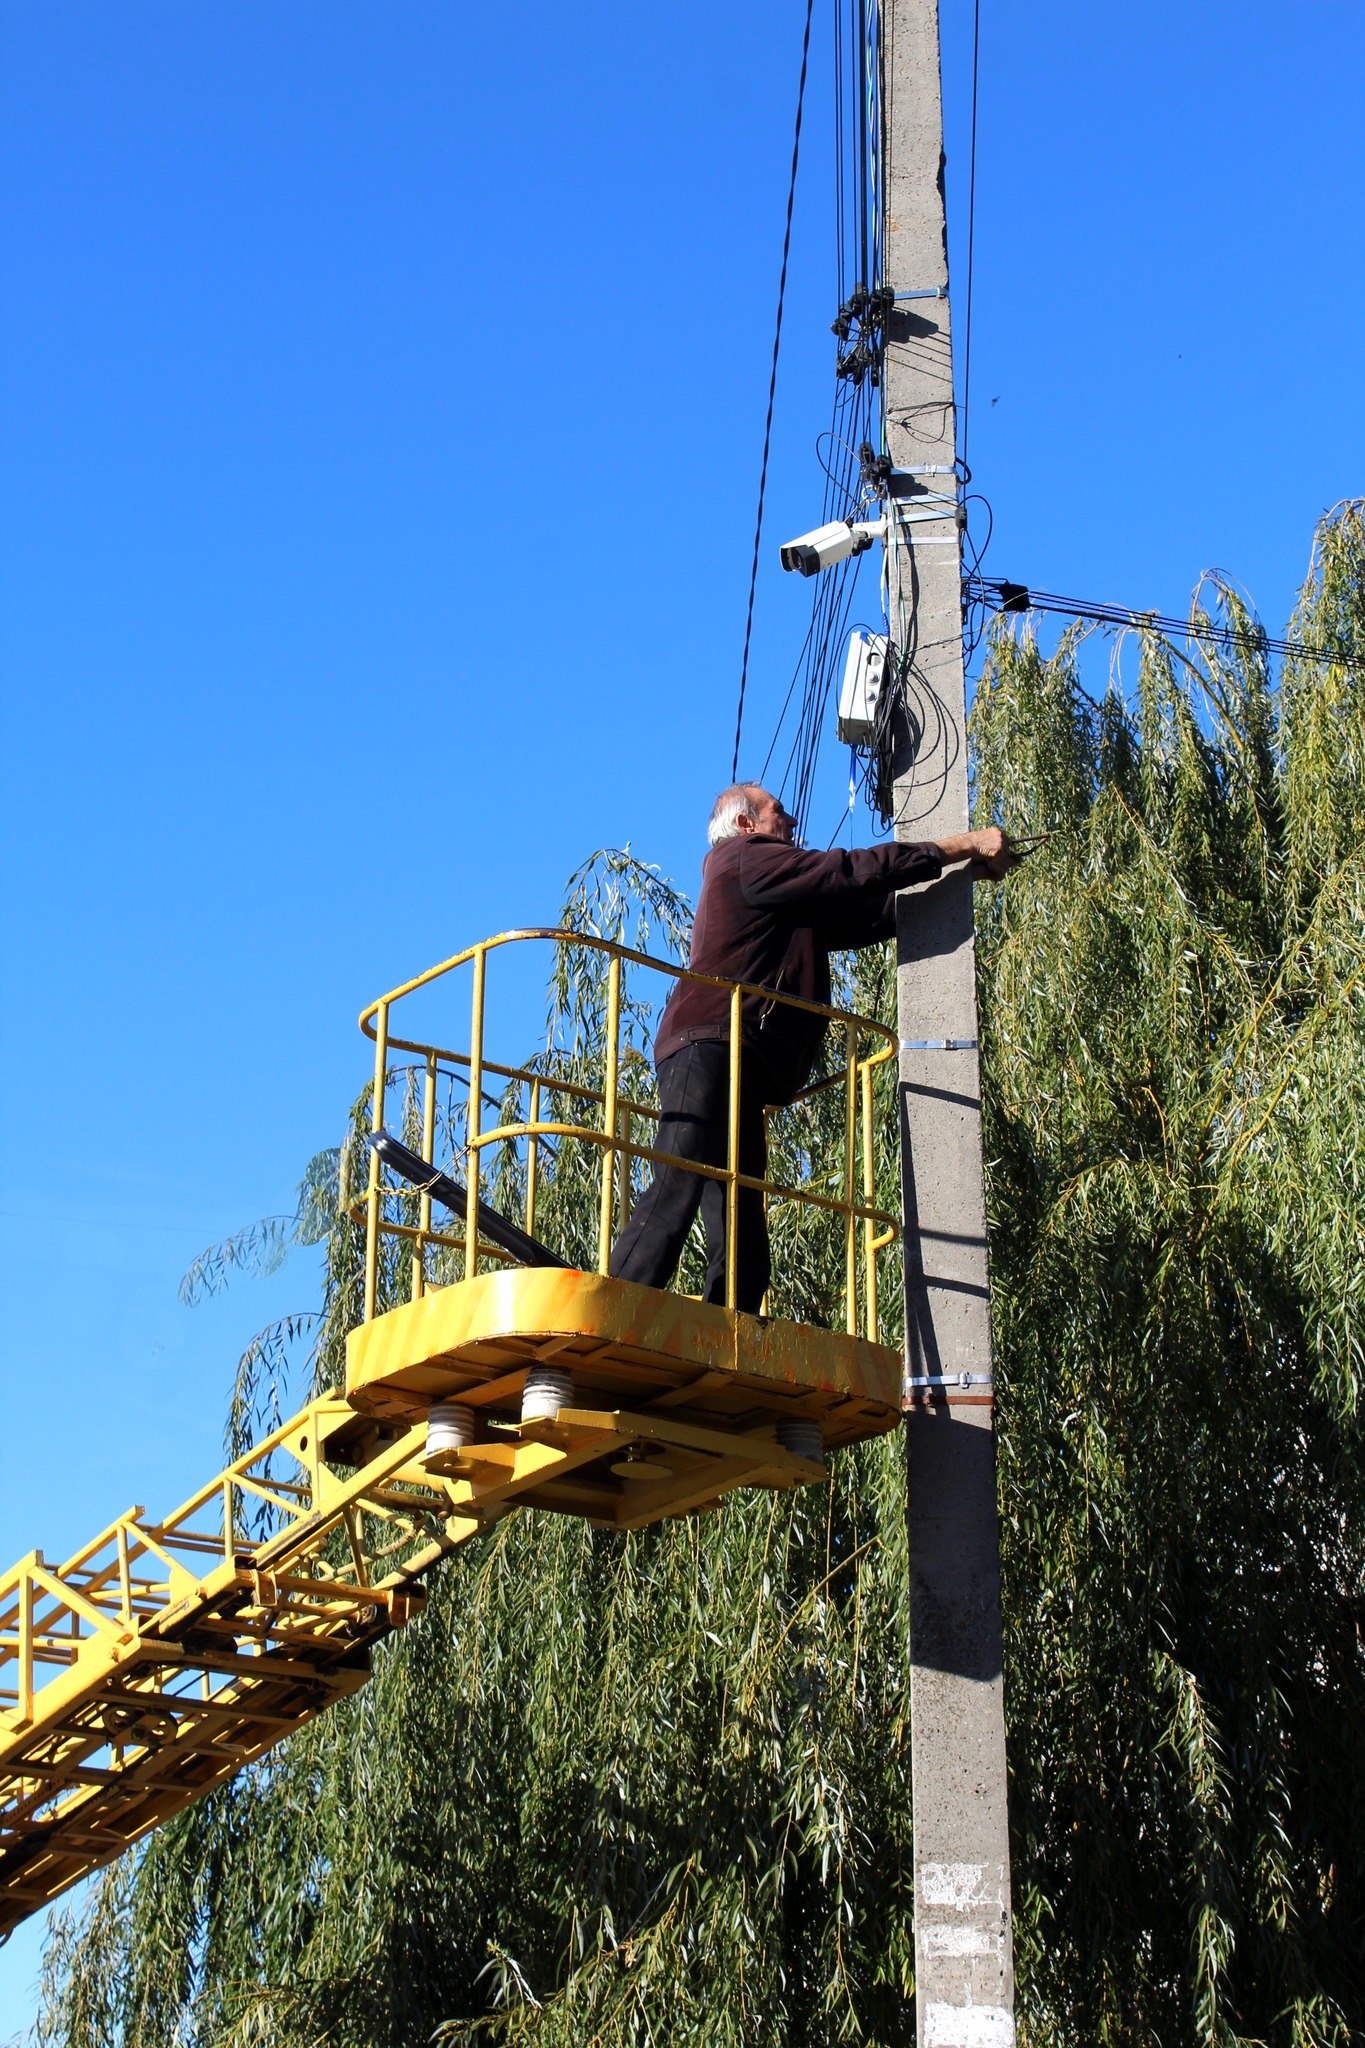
(831, 544)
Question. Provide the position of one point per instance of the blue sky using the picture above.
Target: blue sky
(381, 398)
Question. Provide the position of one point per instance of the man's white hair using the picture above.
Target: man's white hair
(734, 803)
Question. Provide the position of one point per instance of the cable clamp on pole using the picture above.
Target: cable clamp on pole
(935, 291)
(940, 1382)
(947, 1390)
(940, 1044)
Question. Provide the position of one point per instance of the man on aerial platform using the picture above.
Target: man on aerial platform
(769, 914)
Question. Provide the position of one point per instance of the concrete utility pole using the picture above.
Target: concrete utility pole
(963, 1928)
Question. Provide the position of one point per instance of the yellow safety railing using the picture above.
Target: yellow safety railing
(867, 1048)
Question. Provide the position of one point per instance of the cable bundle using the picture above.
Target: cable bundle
(859, 330)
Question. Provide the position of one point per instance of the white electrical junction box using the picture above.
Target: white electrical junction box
(864, 676)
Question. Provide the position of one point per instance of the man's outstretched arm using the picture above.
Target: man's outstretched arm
(870, 917)
(779, 877)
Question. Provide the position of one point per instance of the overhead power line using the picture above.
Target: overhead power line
(971, 241)
(1002, 596)
(772, 384)
(860, 330)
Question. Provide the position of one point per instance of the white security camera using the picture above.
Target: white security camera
(831, 544)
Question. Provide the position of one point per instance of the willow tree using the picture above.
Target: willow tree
(1175, 1102)
(654, 1788)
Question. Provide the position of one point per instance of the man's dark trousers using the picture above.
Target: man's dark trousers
(694, 1118)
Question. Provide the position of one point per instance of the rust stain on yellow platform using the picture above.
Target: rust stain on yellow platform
(630, 1346)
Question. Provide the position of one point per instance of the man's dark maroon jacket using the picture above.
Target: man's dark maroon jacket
(772, 915)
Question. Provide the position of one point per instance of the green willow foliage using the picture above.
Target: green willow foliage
(1174, 1082)
(655, 1789)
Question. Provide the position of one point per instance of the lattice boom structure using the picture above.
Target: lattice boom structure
(164, 1656)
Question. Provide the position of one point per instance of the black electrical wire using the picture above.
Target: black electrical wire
(973, 610)
(832, 601)
(999, 595)
(846, 150)
(971, 240)
(848, 493)
(835, 439)
(786, 704)
(863, 272)
(912, 729)
(839, 196)
(772, 385)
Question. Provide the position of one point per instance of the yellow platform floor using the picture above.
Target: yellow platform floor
(675, 1401)
(165, 1655)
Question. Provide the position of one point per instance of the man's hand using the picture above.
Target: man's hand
(990, 852)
